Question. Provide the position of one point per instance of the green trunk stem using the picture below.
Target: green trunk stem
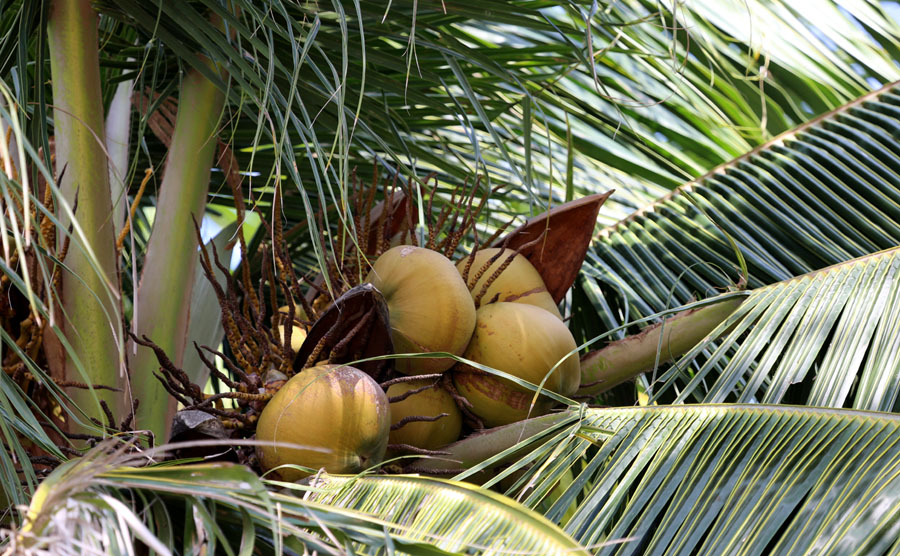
(479, 447)
(163, 299)
(625, 359)
(90, 286)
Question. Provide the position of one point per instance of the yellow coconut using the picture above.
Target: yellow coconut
(428, 403)
(338, 417)
(519, 282)
(524, 341)
(299, 313)
(299, 331)
(430, 307)
(298, 334)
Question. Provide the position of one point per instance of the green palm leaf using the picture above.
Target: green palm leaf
(549, 99)
(716, 479)
(466, 90)
(824, 193)
(104, 502)
(825, 339)
(456, 517)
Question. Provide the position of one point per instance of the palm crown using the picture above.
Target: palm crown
(752, 163)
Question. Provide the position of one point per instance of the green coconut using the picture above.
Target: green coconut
(430, 307)
(434, 401)
(524, 341)
(519, 282)
(337, 415)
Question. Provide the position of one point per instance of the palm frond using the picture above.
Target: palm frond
(518, 93)
(466, 90)
(317, 90)
(717, 479)
(103, 502)
(824, 339)
(819, 195)
(456, 517)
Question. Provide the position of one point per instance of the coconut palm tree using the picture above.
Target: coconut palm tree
(745, 261)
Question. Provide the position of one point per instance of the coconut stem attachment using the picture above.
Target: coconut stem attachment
(417, 419)
(462, 403)
(625, 359)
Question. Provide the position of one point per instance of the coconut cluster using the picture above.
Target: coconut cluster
(491, 309)
(519, 332)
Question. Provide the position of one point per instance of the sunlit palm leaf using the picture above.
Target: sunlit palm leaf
(515, 78)
(523, 71)
(456, 517)
(464, 89)
(725, 480)
(100, 499)
(819, 195)
(826, 339)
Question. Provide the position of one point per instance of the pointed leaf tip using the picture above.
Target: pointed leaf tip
(559, 255)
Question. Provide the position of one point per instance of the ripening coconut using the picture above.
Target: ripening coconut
(434, 401)
(524, 341)
(299, 331)
(338, 414)
(430, 307)
(298, 335)
(519, 282)
(299, 313)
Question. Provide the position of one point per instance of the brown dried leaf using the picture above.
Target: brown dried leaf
(559, 255)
